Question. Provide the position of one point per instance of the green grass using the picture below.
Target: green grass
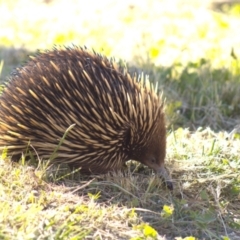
(41, 210)
(192, 51)
(199, 95)
(204, 203)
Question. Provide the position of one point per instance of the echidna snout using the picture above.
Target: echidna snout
(117, 117)
(153, 155)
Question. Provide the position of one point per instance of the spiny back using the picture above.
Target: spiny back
(116, 117)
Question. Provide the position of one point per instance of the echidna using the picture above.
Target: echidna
(117, 117)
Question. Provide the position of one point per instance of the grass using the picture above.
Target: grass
(204, 203)
(199, 95)
(192, 50)
(42, 211)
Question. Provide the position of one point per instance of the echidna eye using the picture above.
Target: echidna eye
(153, 160)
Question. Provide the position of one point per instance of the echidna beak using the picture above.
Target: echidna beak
(162, 172)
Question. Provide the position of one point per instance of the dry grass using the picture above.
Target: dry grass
(57, 204)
